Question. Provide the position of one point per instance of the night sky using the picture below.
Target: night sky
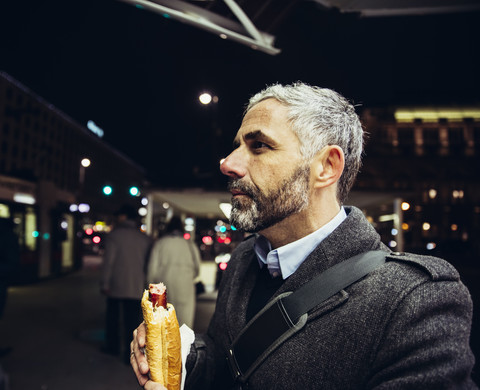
(138, 75)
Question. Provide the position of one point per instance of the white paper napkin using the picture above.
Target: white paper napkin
(188, 337)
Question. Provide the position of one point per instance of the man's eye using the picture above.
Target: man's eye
(260, 145)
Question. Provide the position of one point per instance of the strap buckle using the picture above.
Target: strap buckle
(233, 365)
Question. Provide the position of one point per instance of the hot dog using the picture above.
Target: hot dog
(163, 344)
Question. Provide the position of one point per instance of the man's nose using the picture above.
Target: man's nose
(233, 165)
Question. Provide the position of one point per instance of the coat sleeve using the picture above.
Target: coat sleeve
(426, 343)
(108, 262)
(200, 364)
(206, 364)
(209, 368)
(196, 259)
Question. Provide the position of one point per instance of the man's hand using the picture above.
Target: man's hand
(138, 360)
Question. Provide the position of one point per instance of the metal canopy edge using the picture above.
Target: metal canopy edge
(384, 8)
(245, 33)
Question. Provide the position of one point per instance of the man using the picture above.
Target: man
(123, 280)
(406, 325)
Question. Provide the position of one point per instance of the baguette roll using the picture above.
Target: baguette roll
(163, 344)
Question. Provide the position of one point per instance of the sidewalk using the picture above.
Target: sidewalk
(56, 329)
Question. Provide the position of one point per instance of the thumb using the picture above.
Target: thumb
(150, 385)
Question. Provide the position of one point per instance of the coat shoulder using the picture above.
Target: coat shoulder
(436, 268)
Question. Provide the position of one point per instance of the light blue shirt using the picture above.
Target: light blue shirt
(285, 260)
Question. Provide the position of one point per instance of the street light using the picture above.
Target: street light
(210, 103)
(205, 98)
(85, 163)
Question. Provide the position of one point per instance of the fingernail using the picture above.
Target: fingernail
(143, 367)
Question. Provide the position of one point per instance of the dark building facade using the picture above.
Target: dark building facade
(428, 160)
(42, 180)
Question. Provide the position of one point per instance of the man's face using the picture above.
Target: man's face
(261, 210)
(269, 180)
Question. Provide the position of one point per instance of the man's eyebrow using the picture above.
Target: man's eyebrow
(258, 135)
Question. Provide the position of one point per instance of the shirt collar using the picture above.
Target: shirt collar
(288, 258)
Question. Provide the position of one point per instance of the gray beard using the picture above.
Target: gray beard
(260, 211)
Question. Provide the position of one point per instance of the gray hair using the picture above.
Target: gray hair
(321, 117)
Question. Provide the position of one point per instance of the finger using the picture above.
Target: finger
(150, 385)
(141, 378)
(139, 349)
(140, 334)
(138, 359)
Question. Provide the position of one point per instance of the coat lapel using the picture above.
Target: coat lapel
(245, 276)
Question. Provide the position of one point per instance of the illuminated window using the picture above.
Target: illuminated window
(4, 211)
(457, 194)
(435, 114)
(31, 232)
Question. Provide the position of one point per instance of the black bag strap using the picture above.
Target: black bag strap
(287, 314)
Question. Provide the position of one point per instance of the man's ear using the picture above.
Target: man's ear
(327, 166)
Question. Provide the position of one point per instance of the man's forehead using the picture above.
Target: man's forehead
(264, 110)
(262, 115)
(261, 111)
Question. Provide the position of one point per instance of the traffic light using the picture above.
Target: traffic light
(107, 190)
(134, 191)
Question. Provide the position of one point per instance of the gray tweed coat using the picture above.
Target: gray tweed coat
(404, 326)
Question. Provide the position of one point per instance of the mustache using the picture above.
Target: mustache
(239, 185)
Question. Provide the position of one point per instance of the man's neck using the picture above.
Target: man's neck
(299, 225)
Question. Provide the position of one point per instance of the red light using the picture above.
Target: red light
(223, 266)
(89, 231)
(207, 240)
(96, 239)
(228, 240)
(187, 236)
(220, 240)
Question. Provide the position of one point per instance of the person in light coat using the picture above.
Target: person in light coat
(175, 262)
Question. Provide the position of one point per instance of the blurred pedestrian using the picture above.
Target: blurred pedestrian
(175, 261)
(9, 263)
(123, 280)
